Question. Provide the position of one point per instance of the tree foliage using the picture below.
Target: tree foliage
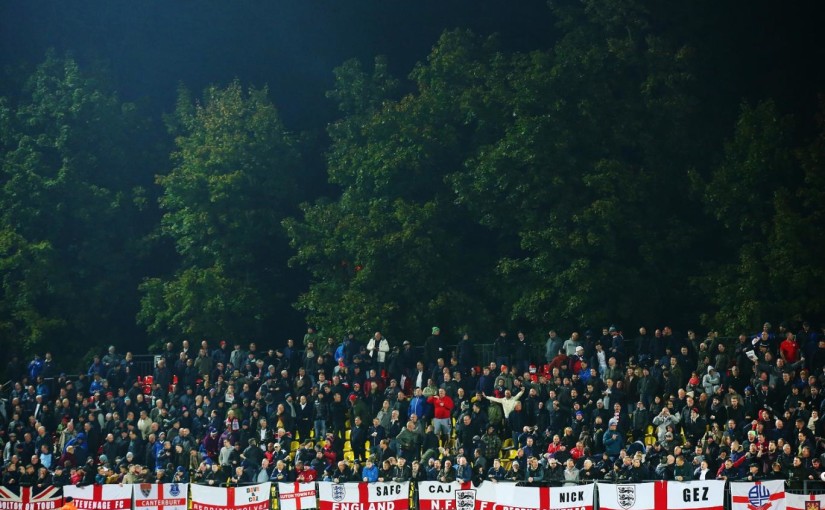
(767, 196)
(552, 164)
(71, 204)
(235, 177)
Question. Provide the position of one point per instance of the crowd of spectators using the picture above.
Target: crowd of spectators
(596, 405)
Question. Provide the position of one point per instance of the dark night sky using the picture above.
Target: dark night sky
(151, 46)
(751, 49)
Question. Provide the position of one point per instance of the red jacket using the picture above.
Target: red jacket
(307, 475)
(443, 406)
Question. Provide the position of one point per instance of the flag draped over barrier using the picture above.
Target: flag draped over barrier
(805, 502)
(248, 497)
(31, 498)
(766, 495)
(635, 496)
(694, 495)
(161, 496)
(364, 496)
(297, 496)
(100, 497)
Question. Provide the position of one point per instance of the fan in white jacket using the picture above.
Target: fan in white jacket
(377, 348)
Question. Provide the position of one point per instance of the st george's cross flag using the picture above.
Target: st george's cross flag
(100, 497)
(364, 496)
(297, 496)
(247, 497)
(161, 496)
(764, 495)
(804, 502)
(697, 495)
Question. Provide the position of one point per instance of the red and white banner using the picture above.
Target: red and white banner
(698, 495)
(161, 496)
(803, 502)
(297, 496)
(364, 496)
(765, 495)
(502, 496)
(100, 497)
(30, 498)
(248, 497)
(506, 496)
(439, 496)
(575, 497)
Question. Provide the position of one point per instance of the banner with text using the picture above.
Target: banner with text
(30, 498)
(502, 496)
(100, 497)
(364, 496)
(766, 495)
(297, 496)
(248, 497)
(160, 496)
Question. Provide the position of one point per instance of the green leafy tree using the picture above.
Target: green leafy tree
(72, 211)
(767, 197)
(554, 181)
(394, 251)
(591, 170)
(234, 180)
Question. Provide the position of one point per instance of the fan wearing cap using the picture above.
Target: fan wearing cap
(613, 439)
(576, 360)
(695, 426)
(212, 443)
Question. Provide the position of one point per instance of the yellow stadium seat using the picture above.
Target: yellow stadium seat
(346, 434)
(512, 454)
(349, 456)
(650, 430)
(347, 446)
(508, 443)
(294, 445)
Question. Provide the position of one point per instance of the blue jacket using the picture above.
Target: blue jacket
(613, 446)
(418, 406)
(371, 474)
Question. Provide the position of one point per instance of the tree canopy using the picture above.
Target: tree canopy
(610, 173)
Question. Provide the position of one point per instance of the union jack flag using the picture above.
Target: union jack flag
(31, 498)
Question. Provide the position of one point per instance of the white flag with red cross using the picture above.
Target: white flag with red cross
(100, 497)
(804, 502)
(364, 496)
(297, 496)
(247, 497)
(765, 495)
(161, 496)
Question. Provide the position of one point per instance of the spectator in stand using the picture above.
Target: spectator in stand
(442, 420)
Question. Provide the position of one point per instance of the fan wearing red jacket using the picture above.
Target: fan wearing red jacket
(442, 415)
(304, 473)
